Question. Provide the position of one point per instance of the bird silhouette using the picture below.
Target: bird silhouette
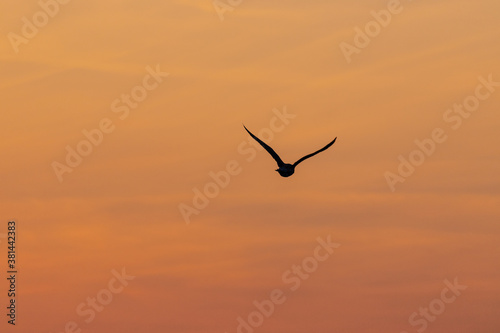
(286, 169)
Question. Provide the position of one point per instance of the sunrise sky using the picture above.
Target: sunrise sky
(280, 68)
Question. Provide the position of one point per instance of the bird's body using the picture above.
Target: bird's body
(286, 169)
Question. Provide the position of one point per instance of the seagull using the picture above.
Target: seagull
(285, 169)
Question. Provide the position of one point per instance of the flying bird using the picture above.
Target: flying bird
(285, 169)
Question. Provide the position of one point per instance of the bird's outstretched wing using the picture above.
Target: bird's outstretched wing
(316, 152)
(266, 147)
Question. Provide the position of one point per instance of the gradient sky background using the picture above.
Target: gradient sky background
(119, 208)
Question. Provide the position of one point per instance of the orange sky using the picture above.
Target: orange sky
(119, 208)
